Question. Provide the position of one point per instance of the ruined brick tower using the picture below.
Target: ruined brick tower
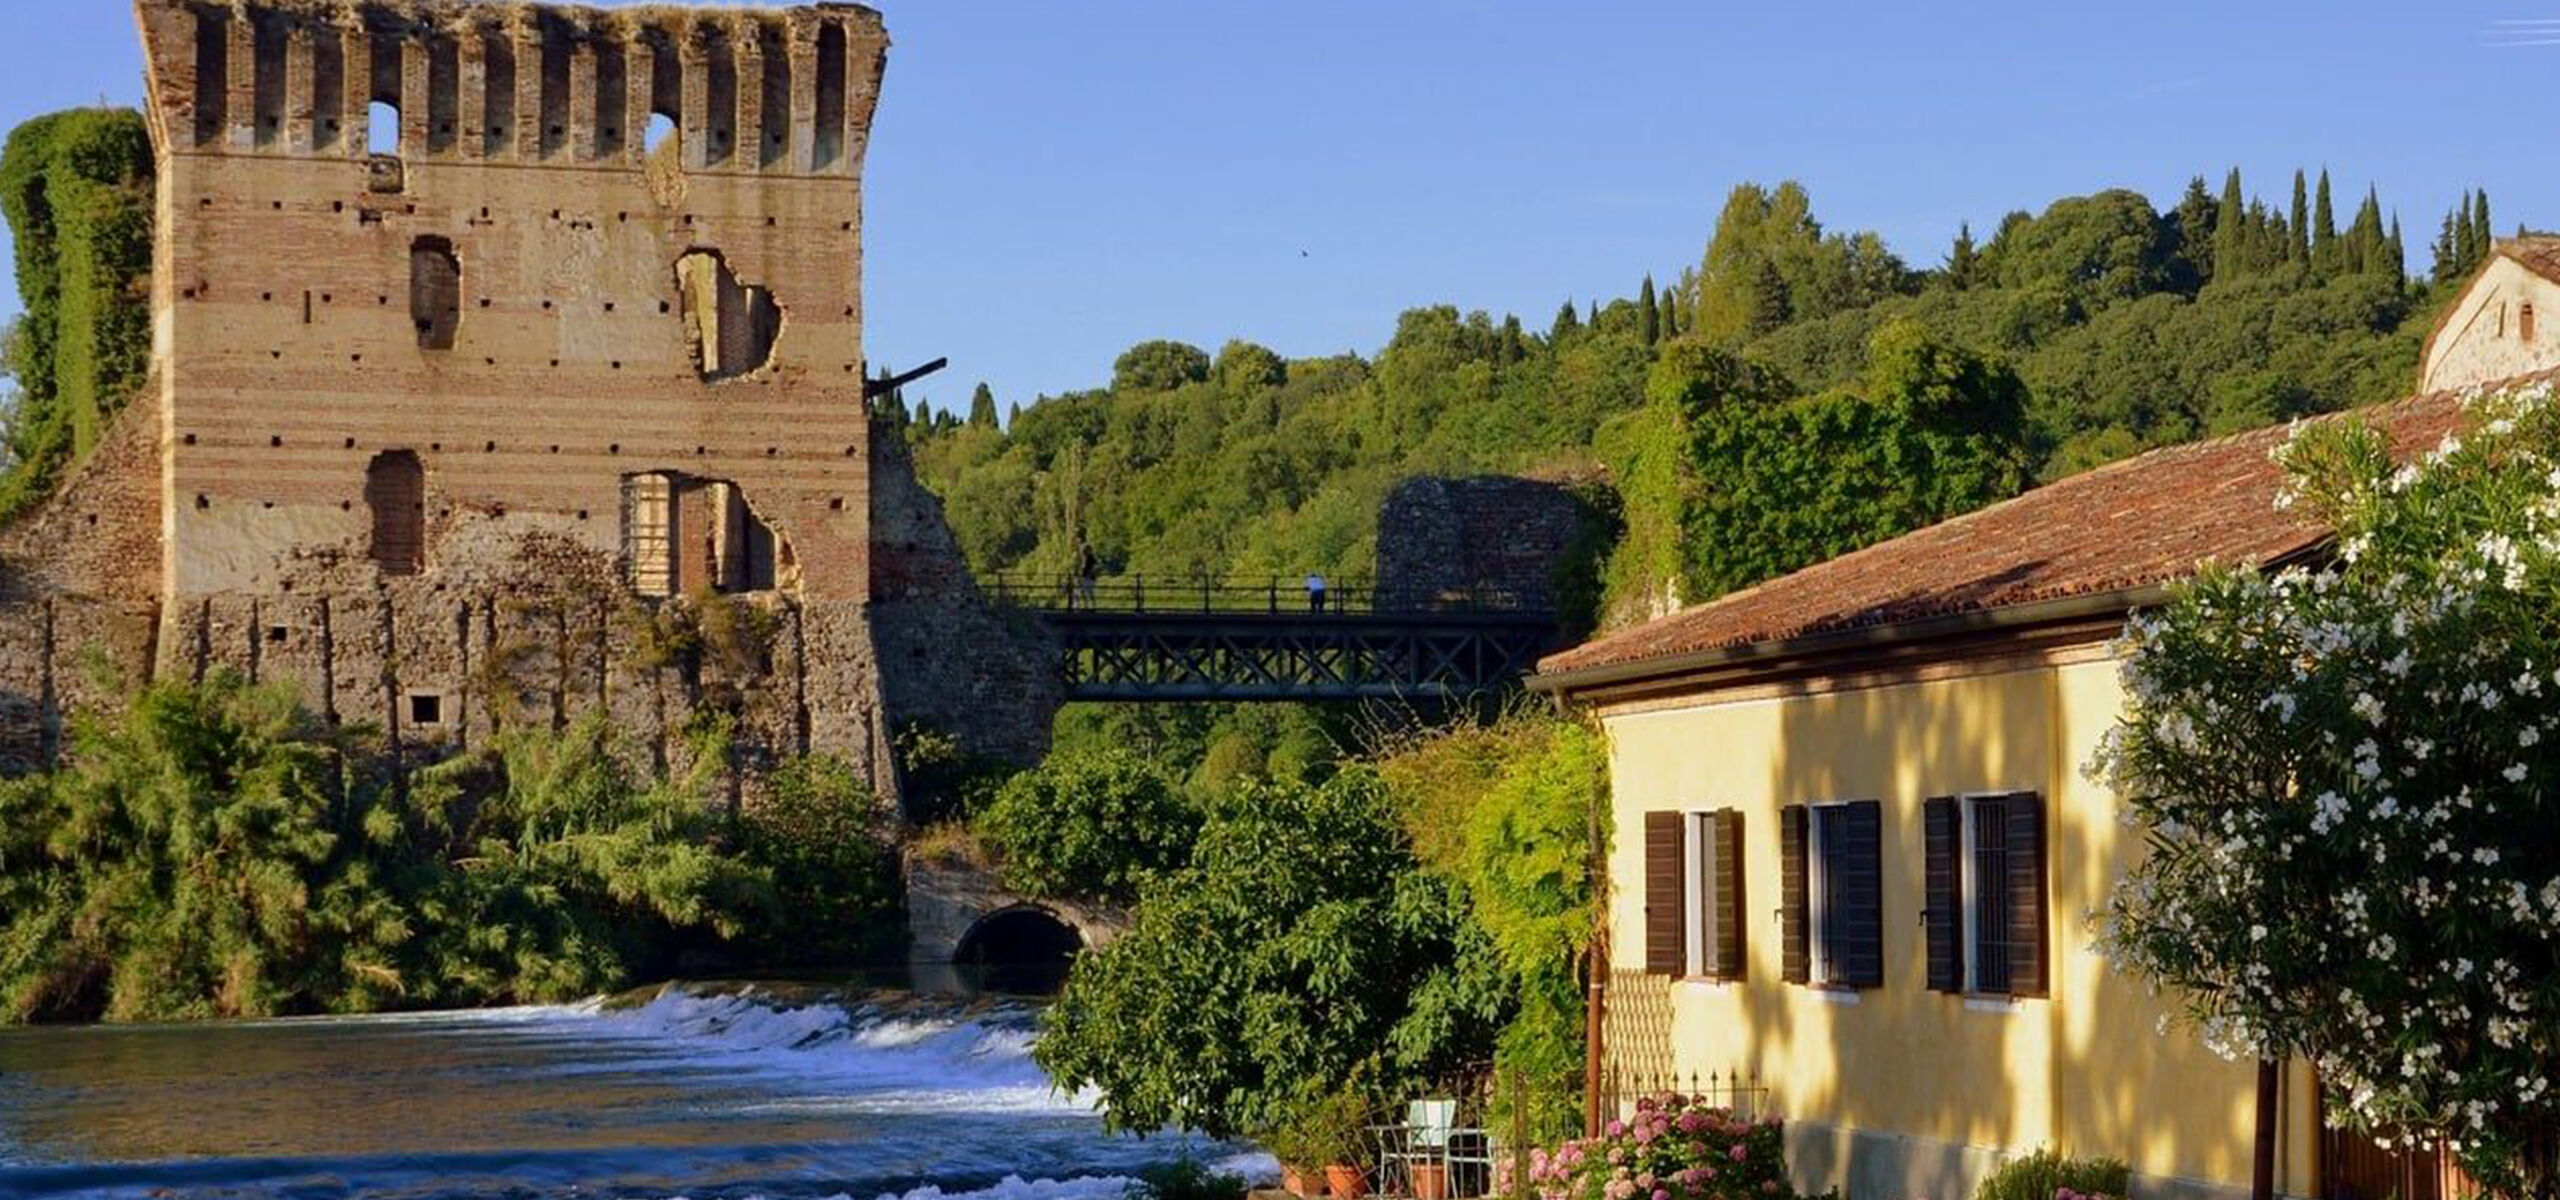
(444, 429)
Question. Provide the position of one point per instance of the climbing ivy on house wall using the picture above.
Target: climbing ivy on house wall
(76, 189)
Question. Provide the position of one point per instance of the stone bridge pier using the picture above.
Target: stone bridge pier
(967, 931)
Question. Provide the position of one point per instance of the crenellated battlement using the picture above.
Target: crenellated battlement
(749, 91)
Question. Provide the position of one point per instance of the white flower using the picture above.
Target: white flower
(2367, 707)
(2528, 736)
(2515, 773)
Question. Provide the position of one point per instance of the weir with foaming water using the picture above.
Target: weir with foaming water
(780, 1091)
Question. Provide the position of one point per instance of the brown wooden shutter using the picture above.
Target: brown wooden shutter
(1943, 895)
(1862, 895)
(2029, 960)
(1666, 936)
(1727, 901)
(1791, 914)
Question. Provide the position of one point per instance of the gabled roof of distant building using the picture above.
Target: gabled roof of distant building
(2141, 522)
(2538, 253)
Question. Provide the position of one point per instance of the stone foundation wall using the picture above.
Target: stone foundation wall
(1449, 537)
(949, 658)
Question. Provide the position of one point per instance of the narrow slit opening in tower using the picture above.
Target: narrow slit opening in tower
(555, 96)
(723, 95)
(328, 87)
(613, 101)
(498, 106)
(266, 91)
(661, 136)
(776, 114)
(829, 143)
(213, 75)
(444, 94)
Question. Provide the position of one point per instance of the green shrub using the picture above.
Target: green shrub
(835, 879)
(2041, 1174)
(216, 850)
(1189, 1179)
(1095, 823)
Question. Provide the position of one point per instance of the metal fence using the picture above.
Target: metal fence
(1746, 1096)
(1239, 594)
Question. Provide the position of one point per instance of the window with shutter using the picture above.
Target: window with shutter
(1860, 862)
(1726, 900)
(1794, 955)
(1987, 870)
(2029, 960)
(1942, 899)
(1665, 886)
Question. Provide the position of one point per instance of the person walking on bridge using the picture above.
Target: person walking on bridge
(1315, 592)
(1087, 568)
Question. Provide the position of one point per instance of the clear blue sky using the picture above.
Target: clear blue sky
(1050, 182)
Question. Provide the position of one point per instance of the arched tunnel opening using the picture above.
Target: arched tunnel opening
(1023, 950)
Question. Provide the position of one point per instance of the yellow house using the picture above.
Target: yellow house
(1854, 854)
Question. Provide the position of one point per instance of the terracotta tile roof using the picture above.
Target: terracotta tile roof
(2538, 254)
(2145, 520)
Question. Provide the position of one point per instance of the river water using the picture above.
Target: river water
(696, 1092)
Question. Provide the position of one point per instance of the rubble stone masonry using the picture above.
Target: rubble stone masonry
(432, 432)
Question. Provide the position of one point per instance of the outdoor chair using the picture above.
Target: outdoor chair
(1431, 1144)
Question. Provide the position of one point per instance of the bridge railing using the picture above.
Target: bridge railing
(1241, 594)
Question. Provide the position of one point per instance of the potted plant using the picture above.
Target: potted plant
(1430, 1179)
(1293, 1142)
(1338, 1135)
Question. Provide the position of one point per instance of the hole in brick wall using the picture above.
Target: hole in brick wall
(276, 634)
(615, 448)
(489, 448)
(93, 518)
(203, 502)
(682, 534)
(382, 128)
(608, 306)
(266, 297)
(836, 504)
(582, 514)
(276, 205)
(351, 443)
(395, 494)
(617, 364)
(546, 306)
(484, 302)
(325, 298)
(189, 439)
(435, 447)
(731, 326)
(275, 440)
(426, 708)
(435, 292)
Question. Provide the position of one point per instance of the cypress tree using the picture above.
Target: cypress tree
(2448, 252)
(2364, 245)
(1670, 312)
(2195, 230)
(2481, 228)
(2461, 236)
(1012, 414)
(982, 407)
(2230, 231)
(1648, 313)
(924, 416)
(1515, 346)
(2297, 248)
(1960, 259)
(2399, 252)
(2324, 228)
(1567, 320)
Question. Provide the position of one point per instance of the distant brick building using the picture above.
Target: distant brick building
(440, 433)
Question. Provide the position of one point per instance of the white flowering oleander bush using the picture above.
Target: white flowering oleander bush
(1672, 1148)
(2349, 779)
